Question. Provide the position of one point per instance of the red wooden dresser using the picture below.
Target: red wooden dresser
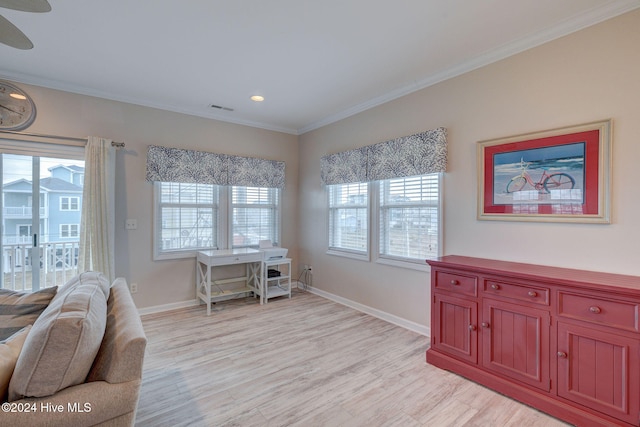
(561, 340)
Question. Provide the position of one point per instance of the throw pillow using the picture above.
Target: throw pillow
(19, 309)
(63, 342)
(88, 277)
(9, 352)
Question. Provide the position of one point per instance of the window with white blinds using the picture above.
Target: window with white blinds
(193, 217)
(254, 213)
(409, 218)
(349, 218)
(186, 218)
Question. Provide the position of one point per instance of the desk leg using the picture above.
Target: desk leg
(254, 278)
(259, 281)
(208, 288)
(263, 282)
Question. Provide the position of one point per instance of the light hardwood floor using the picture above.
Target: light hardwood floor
(306, 362)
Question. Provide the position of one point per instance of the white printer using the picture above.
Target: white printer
(271, 252)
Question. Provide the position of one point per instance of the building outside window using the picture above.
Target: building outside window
(69, 203)
(69, 231)
(41, 204)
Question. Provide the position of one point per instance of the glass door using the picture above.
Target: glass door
(40, 213)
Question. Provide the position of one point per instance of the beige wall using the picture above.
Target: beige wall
(588, 76)
(159, 282)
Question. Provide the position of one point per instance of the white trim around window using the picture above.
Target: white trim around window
(68, 231)
(409, 220)
(349, 219)
(404, 220)
(69, 203)
(188, 218)
(185, 218)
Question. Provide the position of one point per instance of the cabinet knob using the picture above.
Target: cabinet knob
(485, 325)
(472, 327)
(454, 282)
(562, 354)
(495, 287)
(595, 309)
(533, 294)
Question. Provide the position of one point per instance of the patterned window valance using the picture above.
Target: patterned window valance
(418, 154)
(345, 167)
(252, 172)
(190, 166)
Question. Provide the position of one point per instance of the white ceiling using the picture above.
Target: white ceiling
(315, 62)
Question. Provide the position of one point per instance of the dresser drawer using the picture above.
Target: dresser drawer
(520, 292)
(457, 283)
(619, 314)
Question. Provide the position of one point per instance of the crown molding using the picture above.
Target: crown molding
(80, 90)
(576, 23)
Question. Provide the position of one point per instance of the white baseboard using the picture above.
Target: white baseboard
(398, 321)
(167, 307)
(183, 304)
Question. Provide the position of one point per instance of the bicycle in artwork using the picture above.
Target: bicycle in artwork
(545, 184)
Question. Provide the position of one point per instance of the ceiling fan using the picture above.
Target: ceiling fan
(9, 33)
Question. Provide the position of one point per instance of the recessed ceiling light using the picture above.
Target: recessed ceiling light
(17, 96)
(257, 98)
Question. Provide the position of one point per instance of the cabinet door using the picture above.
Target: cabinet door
(455, 327)
(600, 370)
(516, 342)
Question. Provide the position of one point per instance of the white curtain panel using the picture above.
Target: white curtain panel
(97, 229)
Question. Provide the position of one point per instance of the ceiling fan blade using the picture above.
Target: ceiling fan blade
(12, 36)
(38, 6)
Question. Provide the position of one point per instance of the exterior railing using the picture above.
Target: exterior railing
(9, 212)
(58, 263)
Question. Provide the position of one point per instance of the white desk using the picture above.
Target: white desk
(206, 260)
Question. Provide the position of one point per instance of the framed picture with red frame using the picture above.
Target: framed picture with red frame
(559, 175)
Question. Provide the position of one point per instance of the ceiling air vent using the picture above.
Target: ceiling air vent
(220, 107)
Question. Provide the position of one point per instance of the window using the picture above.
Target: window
(409, 216)
(405, 229)
(255, 217)
(349, 219)
(28, 175)
(186, 219)
(69, 230)
(69, 203)
(192, 217)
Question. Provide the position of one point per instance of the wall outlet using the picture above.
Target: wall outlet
(133, 287)
(131, 224)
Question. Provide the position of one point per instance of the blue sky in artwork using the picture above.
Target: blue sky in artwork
(564, 151)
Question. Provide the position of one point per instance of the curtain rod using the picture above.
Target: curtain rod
(68, 138)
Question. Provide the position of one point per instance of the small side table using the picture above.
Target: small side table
(275, 286)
